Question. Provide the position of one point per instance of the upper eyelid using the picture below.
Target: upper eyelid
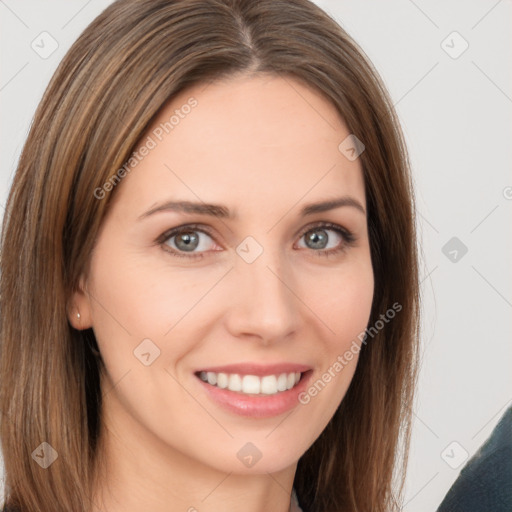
(170, 233)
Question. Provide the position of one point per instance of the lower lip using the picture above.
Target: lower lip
(257, 406)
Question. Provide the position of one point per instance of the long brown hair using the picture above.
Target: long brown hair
(133, 58)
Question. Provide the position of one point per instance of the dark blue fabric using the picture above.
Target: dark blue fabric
(485, 482)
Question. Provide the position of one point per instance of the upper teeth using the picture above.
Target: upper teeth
(252, 384)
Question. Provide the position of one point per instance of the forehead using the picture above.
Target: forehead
(264, 138)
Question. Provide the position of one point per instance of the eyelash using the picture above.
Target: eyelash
(348, 237)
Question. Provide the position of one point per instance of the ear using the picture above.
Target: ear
(80, 303)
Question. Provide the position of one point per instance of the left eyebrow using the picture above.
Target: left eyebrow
(324, 206)
(221, 211)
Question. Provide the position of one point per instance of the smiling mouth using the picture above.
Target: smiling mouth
(265, 385)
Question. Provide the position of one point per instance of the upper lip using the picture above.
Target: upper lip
(258, 369)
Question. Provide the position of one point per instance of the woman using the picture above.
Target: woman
(209, 282)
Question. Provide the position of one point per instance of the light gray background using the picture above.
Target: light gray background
(456, 114)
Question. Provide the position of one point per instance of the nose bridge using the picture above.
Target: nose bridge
(263, 303)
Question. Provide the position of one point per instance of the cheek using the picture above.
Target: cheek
(133, 292)
(342, 300)
(343, 305)
(135, 298)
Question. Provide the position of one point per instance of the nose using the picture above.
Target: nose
(263, 303)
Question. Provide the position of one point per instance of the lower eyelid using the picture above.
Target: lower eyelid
(347, 237)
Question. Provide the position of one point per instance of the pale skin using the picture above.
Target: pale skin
(264, 147)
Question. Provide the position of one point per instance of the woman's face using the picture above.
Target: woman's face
(259, 283)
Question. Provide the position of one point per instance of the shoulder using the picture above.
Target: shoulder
(484, 482)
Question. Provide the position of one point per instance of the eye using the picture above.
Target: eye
(187, 239)
(318, 239)
(183, 241)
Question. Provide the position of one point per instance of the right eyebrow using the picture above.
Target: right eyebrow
(223, 212)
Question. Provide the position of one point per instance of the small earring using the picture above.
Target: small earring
(78, 315)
